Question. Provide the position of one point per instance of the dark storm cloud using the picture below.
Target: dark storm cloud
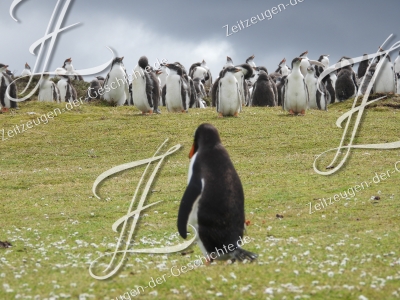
(189, 31)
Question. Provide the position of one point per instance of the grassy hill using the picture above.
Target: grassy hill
(57, 227)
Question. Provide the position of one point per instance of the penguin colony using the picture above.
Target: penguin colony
(294, 88)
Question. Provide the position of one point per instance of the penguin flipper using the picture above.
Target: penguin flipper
(163, 93)
(192, 193)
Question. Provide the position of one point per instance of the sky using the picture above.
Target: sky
(190, 31)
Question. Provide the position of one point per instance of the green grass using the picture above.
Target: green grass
(57, 226)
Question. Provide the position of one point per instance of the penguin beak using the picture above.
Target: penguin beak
(237, 70)
(191, 153)
(6, 66)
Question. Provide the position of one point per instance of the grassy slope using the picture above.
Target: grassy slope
(57, 226)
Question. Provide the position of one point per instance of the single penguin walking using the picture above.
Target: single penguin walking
(48, 90)
(6, 82)
(26, 71)
(213, 202)
(228, 99)
(67, 90)
(263, 93)
(145, 87)
(116, 84)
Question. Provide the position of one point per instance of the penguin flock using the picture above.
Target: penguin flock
(294, 88)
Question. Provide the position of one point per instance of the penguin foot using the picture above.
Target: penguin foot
(150, 112)
(4, 109)
(220, 115)
(291, 112)
(236, 114)
(241, 254)
(303, 113)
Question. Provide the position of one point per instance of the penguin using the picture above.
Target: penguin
(213, 202)
(26, 71)
(283, 69)
(67, 90)
(198, 71)
(304, 63)
(397, 73)
(367, 79)
(145, 87)
(324, 59)
(363, 66)
(245, 73)
(176, 92)
(279, 87)
(7, 82)
(116, 84)
(256, 71)
(229, 62)
(68, 69)
(263, 93)
(209, 82)
(385, 80)
(228, 99)
(250, 61)
(94, 89)
(214, 90)
(200, 93)
(295, 93)
(330, 88)
(346, 84)
(316, 100)
(48, 90)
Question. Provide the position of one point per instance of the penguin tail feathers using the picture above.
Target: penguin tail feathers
(241, 254)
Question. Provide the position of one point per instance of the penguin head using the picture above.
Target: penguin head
(206, 135)
(159, 72)
(175, 68)
(229, 70)
(3, 67)
(296, 61)
(27, 66)
(283, 61)
(310, 70)
(117, 61)
(250, 59)
(143, 62)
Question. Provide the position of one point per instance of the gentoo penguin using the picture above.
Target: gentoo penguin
(200, 93)
(26, 71)
(145, 87)
(228, 98)
(48, 90)
(116, 84)
(250, 61)
(163, 78)
(283, 69)
(67, 90)
(176, 92)
(213, 202)
(263, 93)
(316, 100)
(324, 59)
(397, 73)
(385, 80)
(5, 82)
(245, 73)
(363, 66)
(279, 87)
(304, 63)
(330, 88)
(295, 94)
(209, 82)
(367, 79)
(346, 84)
(229, 62)
(68, 69)
(94, 88)
(256, 70)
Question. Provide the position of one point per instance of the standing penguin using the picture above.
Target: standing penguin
(213, 202)
(116, 84)
(283, 69)
(324, 59)
(397, 73)
(228, 98)
(48, 90)
(200, 93)
(246, 71)
(295, 93)
(26, 71)
(7, 82)
(176, 92)
(145, 87)
(67, 90)
(317, 100)
(263, 93)
(94, 88)
(346, 84)
(385, 80)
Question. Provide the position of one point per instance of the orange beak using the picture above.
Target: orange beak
(191, 153)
